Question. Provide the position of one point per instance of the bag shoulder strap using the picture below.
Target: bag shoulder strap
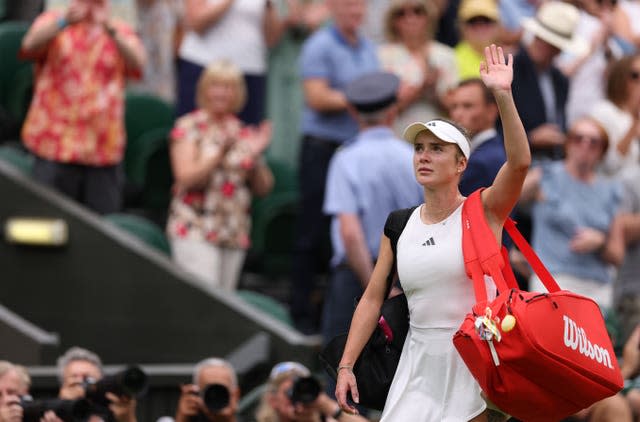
(393, 227)
(483, 255)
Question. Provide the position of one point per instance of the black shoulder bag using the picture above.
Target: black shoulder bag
(377, 363)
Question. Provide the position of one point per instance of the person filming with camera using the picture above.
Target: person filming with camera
(213, 396)
(294, 395)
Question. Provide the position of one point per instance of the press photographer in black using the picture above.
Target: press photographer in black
(213, 396)
(16, 405)
(79, 372)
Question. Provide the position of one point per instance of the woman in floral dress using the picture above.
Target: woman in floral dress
(217, 166)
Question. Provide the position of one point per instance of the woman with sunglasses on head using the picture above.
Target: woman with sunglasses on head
(573, 211)
(426, 68)
(619, 114)
(432, 382)
(573, 208)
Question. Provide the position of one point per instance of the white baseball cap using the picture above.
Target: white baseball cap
(443, 130)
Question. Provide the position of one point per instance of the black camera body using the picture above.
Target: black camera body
(215, 397)
(130, 382)
(67, 410)
(304, 390)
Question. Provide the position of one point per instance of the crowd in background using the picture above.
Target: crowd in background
(576, 86)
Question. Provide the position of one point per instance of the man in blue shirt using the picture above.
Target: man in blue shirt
(331, 58)
(368, 178)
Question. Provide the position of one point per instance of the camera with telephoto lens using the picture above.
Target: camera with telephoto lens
(66, 410)
(215, 397)
(304, 390)
(130, 382)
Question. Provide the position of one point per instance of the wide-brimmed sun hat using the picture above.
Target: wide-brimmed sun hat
(555, 23)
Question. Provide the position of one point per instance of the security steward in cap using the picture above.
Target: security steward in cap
(368, 178)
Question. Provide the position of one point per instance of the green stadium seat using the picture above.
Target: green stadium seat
(19, 93)
(143, 229)
(11, 34)
(17, 156)
(266, 304)
(143, 113)
(273, 223)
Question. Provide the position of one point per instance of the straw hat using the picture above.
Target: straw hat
(555, 23)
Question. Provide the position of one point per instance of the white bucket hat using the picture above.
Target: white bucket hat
(443, 130)
(555, 23)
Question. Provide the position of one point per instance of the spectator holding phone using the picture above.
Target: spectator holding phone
(75, 125)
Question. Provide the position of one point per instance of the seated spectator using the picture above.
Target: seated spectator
(212, 373)
(14, 383)
(619, 114)
(279, 402)
(217, 166)
(75, 124)
(425, 67)
(573, 210)
(479, 23)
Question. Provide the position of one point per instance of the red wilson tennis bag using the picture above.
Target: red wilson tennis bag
(537, 356)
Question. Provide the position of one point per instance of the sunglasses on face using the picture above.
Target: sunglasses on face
(412, 10)
(479, 20)
(580, 138)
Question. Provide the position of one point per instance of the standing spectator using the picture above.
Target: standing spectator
(426, 68)
(619, 114)
(479, 23)
(539, 87)
(209, 372)
(217, 166)
(75, 124)
(331, 58)
(235, 30)
(589, 70)
(474, 108)
(368, 178)
(159, 25)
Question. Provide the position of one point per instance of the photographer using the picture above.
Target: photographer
(75, 368)
(213, 396)
(293, 395)
(14, 383)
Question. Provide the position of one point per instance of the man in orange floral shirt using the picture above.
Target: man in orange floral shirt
(75, 125)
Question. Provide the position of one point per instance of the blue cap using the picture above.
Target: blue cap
(373, 91)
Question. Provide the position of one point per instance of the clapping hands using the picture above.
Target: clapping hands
(258, 138)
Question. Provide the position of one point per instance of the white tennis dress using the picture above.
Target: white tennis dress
(432, 383)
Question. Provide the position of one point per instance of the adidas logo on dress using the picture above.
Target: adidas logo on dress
(429, 242)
